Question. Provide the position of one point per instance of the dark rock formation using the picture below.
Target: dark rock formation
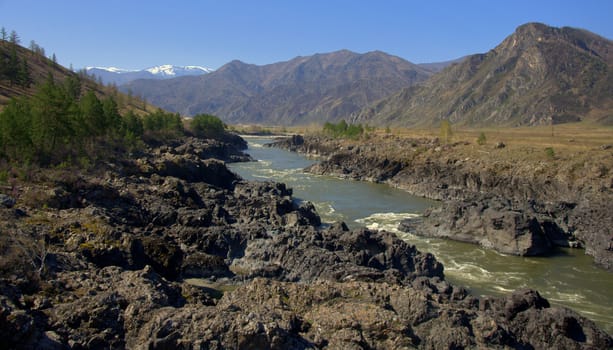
(513, 208)
(134, 257)
(489, 222)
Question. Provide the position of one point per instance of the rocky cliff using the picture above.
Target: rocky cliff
(172, 250)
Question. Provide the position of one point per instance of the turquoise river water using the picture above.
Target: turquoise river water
(567, 278)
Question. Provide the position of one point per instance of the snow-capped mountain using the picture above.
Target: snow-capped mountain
(121, 76)
(168, 70)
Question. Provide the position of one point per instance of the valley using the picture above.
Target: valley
(137, 217)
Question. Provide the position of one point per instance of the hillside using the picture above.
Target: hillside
(536, 75)
(307, 89)
(39, 68)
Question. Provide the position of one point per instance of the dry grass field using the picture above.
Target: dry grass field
(577, 152)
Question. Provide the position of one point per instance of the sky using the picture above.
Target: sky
(136, 34)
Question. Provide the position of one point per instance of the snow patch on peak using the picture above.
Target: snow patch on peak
(170, 70)
(111, 69)
(166, 71)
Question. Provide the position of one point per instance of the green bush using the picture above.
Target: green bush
(343, 130)
(550, 153)
(481, 140)
(205, 125)
(445, 131)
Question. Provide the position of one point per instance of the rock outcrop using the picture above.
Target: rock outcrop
(513, 206)
(171, 250)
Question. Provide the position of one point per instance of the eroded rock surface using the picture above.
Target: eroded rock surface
(173, 251)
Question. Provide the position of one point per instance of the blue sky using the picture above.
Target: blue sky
(137, 34)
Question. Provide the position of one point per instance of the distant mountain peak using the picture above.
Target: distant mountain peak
(110, 69)
(173, 71)
(165, 71)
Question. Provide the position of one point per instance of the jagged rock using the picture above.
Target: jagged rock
(269, 314)
(140, 260)
(6, 201)
(489, 222)
(202, 265)
(17, 326)
(163, 255)
(115, 304)
(361, 255)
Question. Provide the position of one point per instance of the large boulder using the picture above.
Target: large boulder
(335, 254)
(491, 222)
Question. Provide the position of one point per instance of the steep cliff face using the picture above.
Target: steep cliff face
(538, 75)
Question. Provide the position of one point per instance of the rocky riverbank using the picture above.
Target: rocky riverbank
(510, 200)
(169, 249)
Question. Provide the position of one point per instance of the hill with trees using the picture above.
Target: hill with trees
(51, 116)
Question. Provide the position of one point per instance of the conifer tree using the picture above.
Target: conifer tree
(14, 38)
(12, 67)
(15, 128)
(112, 118)
(24, 77)
(92, 116)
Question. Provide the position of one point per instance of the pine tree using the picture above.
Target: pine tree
(15, 127)
(3, 34)
(112, 118)
(92, 115)
(53, 116)
(12, 67)
(24, 77)
(132, 125)
(14, 38)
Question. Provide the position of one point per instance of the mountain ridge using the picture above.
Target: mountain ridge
(305, 89)
(537, 75)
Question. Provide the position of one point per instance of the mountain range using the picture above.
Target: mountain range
(305, 89)
(118, 76)
(537, 75)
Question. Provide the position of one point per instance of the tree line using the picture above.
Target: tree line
(12, 69)
(62, 123)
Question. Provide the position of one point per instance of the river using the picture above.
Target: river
(567, 278)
